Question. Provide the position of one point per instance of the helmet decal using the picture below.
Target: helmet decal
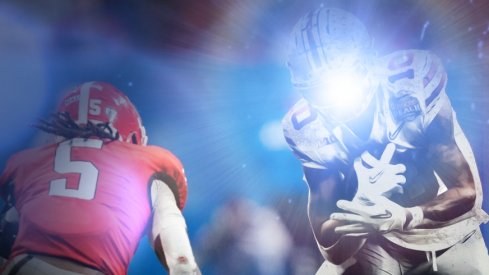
(98, 103)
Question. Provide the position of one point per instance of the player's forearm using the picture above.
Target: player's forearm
(338, 247)
(169, 232)
(176, 251)
(450, 205)
(453, 168)
(326, 188)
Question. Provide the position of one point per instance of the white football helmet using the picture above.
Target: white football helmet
(329, 59)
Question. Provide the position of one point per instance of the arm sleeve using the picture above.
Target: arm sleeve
(169, 225)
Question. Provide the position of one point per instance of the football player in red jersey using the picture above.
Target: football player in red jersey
(85, 200)
(394, 187)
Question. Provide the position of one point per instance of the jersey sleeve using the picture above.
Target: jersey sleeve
(169, 169)
(308, 138)
(416, 84)
(434, 81)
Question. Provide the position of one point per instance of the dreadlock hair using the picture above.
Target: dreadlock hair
(61, 124)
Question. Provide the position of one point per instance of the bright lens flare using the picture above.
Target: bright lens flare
(342, 95)
(349, 90)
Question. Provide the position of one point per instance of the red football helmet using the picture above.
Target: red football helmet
(100, 102)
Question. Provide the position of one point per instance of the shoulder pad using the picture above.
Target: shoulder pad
(414, 75)
(168, 168)
(308, 137)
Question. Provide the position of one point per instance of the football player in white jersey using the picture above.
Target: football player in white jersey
(393, 183)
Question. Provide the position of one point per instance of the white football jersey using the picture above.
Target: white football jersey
(411, 93)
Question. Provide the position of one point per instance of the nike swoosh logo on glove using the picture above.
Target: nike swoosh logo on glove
(376, 177)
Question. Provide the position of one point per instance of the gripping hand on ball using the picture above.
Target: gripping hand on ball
(381, 215)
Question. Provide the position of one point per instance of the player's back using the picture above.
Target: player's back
(86, 200)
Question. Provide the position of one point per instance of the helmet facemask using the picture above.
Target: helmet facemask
(342, 94)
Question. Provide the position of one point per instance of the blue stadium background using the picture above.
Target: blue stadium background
(209, 80)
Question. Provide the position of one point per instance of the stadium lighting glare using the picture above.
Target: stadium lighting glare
(341, 94)
(347, 89)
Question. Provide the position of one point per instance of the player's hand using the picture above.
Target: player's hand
(381, 177)
(380, 215)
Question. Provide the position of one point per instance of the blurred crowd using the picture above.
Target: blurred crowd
(244, 237)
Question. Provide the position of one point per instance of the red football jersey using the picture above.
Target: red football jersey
(88, 200)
